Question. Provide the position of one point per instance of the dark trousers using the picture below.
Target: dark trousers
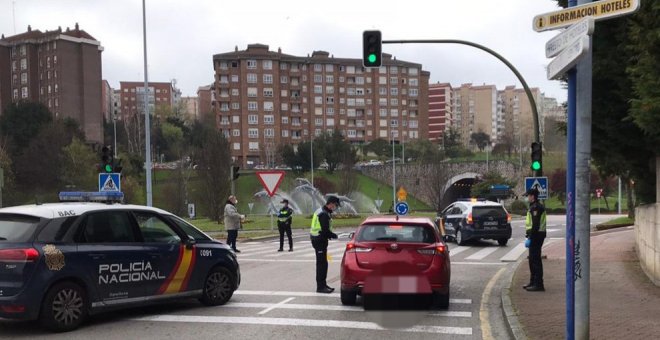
(320, 245)
(232, 235)
(285, 228)
(535, 263)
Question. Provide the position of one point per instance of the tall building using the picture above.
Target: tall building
(206, 99)
(265, 99)
(61, 69)
(440, 110)
(132, 96)
(107, 100)
(190, 106)
(475, 110)
(518, 117)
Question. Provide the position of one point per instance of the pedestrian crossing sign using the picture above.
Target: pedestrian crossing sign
(109, 182)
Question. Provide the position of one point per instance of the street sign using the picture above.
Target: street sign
(270, 180)
(191, 210)
(600, 10)
(401, 208)
(557, 44)
(402, 194)
(599, 193)
(540, 183)
(378, 203)
(568, 57)
(110, 181)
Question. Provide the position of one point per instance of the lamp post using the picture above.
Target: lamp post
(114, 127)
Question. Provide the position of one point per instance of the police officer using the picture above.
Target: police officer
(320, 232)
(284, 224)
(535, 232)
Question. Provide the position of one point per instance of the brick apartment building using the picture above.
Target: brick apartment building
(132, 97)
(264, 99)
(61, 69)
(440, 111)
(205, 99)
(517, 115)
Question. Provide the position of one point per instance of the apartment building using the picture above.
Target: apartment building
(61, 69)
(518, 116)
(206, 99)
(264, 99)
(132, 97)
(475, 110)
(440, 111)
(190, 107)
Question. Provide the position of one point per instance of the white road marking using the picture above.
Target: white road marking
(482, 253)
(480, 263)
(515, 253)
(314, 294)
(459, 249)
(276, 305)
(301, 322)
(483, 310)
(341, 308)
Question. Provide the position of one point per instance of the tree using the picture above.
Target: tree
(482, 187)
(423, 151)
(335, 149)
(481, 139)
(22, 121)
(79, 166)
(380, 147)
(558, 184)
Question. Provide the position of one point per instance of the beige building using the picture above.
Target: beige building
(518, 116)
(264, 99)
(475, 110)
(190, 107)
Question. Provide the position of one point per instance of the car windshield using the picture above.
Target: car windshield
(488, 211)
(417, 233)
(17, 228)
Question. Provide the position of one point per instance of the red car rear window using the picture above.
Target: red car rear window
(396, 232)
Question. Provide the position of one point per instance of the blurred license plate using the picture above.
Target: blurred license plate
(491, 223)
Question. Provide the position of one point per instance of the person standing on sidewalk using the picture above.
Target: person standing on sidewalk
(535, 232)
(232, 222)
(320, 232)
(284, 219)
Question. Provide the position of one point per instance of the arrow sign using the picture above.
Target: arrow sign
(557, 44)
(270, 180)
(568, 58)
(401, 208)
(600, 10)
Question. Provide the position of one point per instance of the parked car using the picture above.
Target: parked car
(474, 219)
(61, 262)
(391, 250)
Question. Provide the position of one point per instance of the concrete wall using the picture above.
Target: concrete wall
(647, 236)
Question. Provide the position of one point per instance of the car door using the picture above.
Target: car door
(114, 259)
(452, 219)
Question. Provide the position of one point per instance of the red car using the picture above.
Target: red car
(394, 255)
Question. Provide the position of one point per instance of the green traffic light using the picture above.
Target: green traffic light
(108, 168)
(372, 58)
(536, 165)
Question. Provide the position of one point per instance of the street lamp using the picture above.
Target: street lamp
(114, 127)
(147, 123)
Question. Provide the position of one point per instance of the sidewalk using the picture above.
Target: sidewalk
(624, 302)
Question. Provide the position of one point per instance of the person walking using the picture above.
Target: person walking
(320, 232)
(232, 222)
(284, 219)
(535, 224)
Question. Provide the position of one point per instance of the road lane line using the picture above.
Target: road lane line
(484, 316)
(314, 294)
(514, 254)
(459, 249)
(276, 305)
(482, 253)
(343, 324)
(339, 308)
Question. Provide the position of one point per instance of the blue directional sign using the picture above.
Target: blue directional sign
(540, 183)
(109, 181)
(401, 208)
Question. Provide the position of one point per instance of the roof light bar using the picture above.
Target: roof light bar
(93, 196)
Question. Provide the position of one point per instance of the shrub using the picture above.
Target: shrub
(518, 207)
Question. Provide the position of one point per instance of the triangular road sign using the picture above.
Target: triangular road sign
(270, 180)
(109, 185)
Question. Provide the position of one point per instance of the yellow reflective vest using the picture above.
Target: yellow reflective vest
(535, 207)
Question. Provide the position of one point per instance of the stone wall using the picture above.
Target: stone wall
(647, 237)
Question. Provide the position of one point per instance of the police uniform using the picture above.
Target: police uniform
(284, 225)
(535, 230)
(320, 232)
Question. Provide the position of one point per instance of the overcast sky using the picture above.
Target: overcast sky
(182, 36)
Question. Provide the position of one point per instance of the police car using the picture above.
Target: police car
(61, 262)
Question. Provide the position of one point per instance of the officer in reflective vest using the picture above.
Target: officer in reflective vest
(284, 224)
(535, 232)
(320, 232)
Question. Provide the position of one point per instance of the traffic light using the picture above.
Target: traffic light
(234, 172)
(537, 157)
(372, 49)
(107, 159)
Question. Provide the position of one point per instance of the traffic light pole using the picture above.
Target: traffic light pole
(530, 97)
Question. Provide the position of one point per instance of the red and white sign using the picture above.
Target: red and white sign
(599, 193)
(270, 180)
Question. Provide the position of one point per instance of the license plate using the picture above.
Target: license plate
(491, 223)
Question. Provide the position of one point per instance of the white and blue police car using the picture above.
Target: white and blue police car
(61, 262)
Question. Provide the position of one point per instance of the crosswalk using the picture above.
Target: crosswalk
(480, 252)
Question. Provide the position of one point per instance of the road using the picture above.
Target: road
(277, 300)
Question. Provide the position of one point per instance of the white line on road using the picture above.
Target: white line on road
(330, 308)
(276, 305)
(305, 294)
(482, 253)
(302, 322)
(483, 310)
(459, 249)
(514, 254)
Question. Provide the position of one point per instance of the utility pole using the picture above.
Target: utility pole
(147, 123)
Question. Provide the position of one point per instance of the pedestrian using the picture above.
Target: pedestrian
(320, 232)
(284, 219)
(535, 231)
(232, 222)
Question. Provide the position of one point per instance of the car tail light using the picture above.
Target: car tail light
(352, 248)
(13, 308)
(441, 248)
(508, 217)
(469, 218)
(18, 255)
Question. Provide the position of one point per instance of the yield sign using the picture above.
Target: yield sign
(270, 180)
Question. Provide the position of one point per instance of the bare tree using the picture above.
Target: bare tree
(214, 160)
(437, 174)
(348, 181)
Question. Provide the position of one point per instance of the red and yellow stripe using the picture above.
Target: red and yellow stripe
(178, 279)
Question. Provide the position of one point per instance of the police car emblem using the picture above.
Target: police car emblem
(54, 257)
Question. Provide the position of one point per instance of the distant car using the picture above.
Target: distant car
(475, 219)
(395, 255)
(374, 162)
(60, 262)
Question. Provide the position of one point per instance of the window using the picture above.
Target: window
(268, 78)
(234, 92)
(329, 78)
(283, 66)
(253, 133)
(394, 70)
(318, 121)
(13, 65)
(329, 89)
(413, 92)
(350, 91)
(394, 102)
(350, 69)
(383, 112)
(413, 71)
(237, 146)
(413, 124)
(359, 92)
(413, 82)
(269, 119)
(252, 106)
(253, 119)
(268, 92)
(23, 50)
(234, 78)
(267, 64)
(23, 64)
(224, 65)
(318, 89)
(154, 229)
(236, 132)
(394, 91)
(382, 101)
(107, 227)
(284, 79)
(284, 106)
(268, 106)
(329, 100)
(318, 78)
(269, 133)
(394, 112)
(394, 80)
(223, 80)
(330, 111)
(329, 67)
(251, 64)
(359, 80)
(382, 80)
(189, 229)
(394, 123)
(252, 78)
(330, 122)
(236, 106)
(285, 120)
(24, 92)
(23, 78)
(318, 67)
(252, 92)
(285, 133)
(253, 146)
(318, 100)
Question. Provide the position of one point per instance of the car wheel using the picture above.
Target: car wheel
(441, 300)
(218, 287)
(64, 308)
(502, 242)
(459, 238)
(348, 297)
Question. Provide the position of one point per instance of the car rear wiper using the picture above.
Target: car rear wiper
(3, 238)
(386, 239)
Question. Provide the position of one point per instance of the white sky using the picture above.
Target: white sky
(183, 35)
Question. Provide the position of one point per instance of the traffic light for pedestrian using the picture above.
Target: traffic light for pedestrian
(372, 49)
(234, 172)
(537, 157)
(107, 159)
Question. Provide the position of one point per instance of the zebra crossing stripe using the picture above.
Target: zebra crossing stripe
(339, 308)
(314, 294)
(457, 250)
(481, 254)
(514, 254)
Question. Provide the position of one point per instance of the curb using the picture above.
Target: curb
(601, 227)
(510, 315)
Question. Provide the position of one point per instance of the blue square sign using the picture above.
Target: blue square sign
(540, 183)
(110, 182)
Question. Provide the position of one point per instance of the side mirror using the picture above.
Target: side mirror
(190, 242)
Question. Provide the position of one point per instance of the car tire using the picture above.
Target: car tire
(348, 297)
(460, 240)
(441, 300)
(64, 307)
(502, 242)
(218, 287)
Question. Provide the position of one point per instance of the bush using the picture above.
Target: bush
(324, 185)
(518, 207)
